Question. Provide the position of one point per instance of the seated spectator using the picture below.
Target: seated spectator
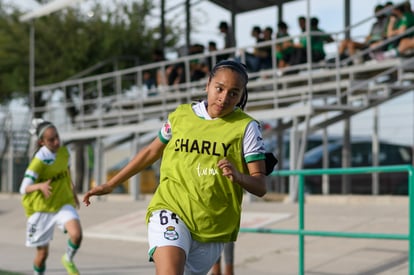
(261, 58)
(152, 77)
(210, 61)
(318, 39)
(400, 21)
(148, 80)
(253, 59)
(284, 49)
(407, 43)
(265, 52)
(197, 66)
(257, 34)
(176, 74)
(302, 23)
(377, 33)
(169, 75)
(229, 40)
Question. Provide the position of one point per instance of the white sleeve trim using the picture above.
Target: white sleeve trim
(253, 141)
(26, 182)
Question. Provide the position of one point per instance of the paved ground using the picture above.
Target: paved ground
(115, 238)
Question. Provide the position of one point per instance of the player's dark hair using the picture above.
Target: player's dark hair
(241, 69)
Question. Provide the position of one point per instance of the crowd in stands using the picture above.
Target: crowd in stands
(349, 47)
(399, 32)
(390, 36)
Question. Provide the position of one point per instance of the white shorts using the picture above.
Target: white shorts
(40, 225)
(167, 229)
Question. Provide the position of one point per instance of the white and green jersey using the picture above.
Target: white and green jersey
(253, 145)
(47, 165)
(191, 185)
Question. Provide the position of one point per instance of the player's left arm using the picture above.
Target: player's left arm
(254, 182)
(253, 150)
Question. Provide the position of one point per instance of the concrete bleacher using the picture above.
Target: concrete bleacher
(341, 89)
(314, 96)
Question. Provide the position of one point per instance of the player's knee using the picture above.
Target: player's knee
(42, 254)
(74, 230)
(76, 238)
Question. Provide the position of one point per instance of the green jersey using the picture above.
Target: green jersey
(191, 185)
(41, 170)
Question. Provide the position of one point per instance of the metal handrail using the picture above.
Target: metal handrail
(301, 232)
(99, 99)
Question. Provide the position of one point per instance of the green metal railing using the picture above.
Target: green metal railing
(301, 232)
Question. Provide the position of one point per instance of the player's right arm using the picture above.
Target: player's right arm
(31, 176)
(147, 156)
(44, 187)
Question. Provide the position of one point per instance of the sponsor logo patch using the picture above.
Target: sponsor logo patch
(167, 128)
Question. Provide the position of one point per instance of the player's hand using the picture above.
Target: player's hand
(229, 170)
(96, 191)
(86, 197)
(45, 188)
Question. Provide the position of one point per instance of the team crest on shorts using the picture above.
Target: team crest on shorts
(171, 234)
